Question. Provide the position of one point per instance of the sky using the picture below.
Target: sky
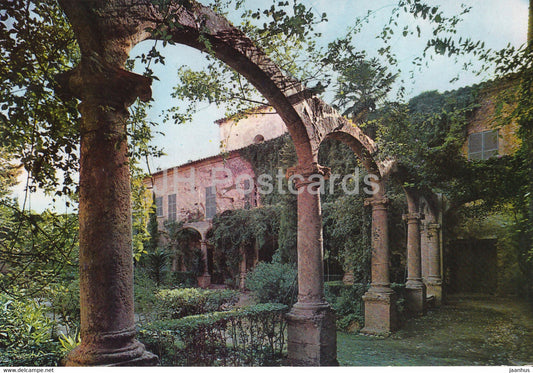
(496, 22)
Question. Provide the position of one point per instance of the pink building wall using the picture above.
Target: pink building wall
(226, 172)
(189, 182)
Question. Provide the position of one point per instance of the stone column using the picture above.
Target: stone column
(424, 251)
(380, 309)
(434, 281)
(205, 279)
(312, 337)
(105, 235)
(415, 288)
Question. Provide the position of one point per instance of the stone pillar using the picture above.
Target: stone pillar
(312, 339)
(415, 288)
(434, 281)
(424, 251)
(243, 269)
(380, 299)
(105, 235)
(205, 279)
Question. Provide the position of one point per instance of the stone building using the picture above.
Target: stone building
(474, 262)
(194, 192)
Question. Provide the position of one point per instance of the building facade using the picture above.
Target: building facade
(193, 193)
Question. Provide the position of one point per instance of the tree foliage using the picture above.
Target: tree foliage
(36, 125)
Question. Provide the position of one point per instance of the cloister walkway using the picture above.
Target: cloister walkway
(468, 330)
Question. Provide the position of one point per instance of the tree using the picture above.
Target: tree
(36, 44)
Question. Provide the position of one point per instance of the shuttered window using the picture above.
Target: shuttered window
(159, 206)
(210, 202)
(482, 145)
(172, 207)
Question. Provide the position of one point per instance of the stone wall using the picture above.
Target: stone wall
(485, 119)
(262, 125)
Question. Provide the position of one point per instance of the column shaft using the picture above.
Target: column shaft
(311, 322)
(106, 257)
(380, 246)
(416, 290)
(380, 309)
(434, 282)
(205, 279)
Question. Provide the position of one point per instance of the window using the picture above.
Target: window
(483, 145)
(159, 206)
(259, 139)
(210, 202)
(172, 207)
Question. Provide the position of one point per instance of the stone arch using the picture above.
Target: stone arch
(203, 228)
(307, 118)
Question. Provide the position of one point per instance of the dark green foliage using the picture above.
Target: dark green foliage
(36, 44)
(182, 247)
(249, 336)
(153, 230)
(186, 279)
(156, 264)
(36, 250)
(426, 135)
(347, 302)
(272, 158)
(273, 282)
(346, 235)
(26, 334)
(65, 305)
(237, 231)
(267, 158)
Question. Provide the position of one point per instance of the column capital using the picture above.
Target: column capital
(376, 202)
(97, 81)
(308, 170)
(433, 226)
(413, 217)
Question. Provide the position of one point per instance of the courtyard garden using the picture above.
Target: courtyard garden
(400, 227)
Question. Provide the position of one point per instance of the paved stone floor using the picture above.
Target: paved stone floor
(468, 330)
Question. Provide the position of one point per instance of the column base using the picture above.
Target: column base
(380, 312)
(113, 349)
(434, 289)
(416, 298)
(204, 281)
(312, 336)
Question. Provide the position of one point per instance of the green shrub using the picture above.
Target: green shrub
(253, 335)
(401, 307)
(184, 279)
(351, 323)
(273, 283)
(347, 302)
(178, 303)
(65, 304)
(145, 295)
(333, 288)
(26, 334)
